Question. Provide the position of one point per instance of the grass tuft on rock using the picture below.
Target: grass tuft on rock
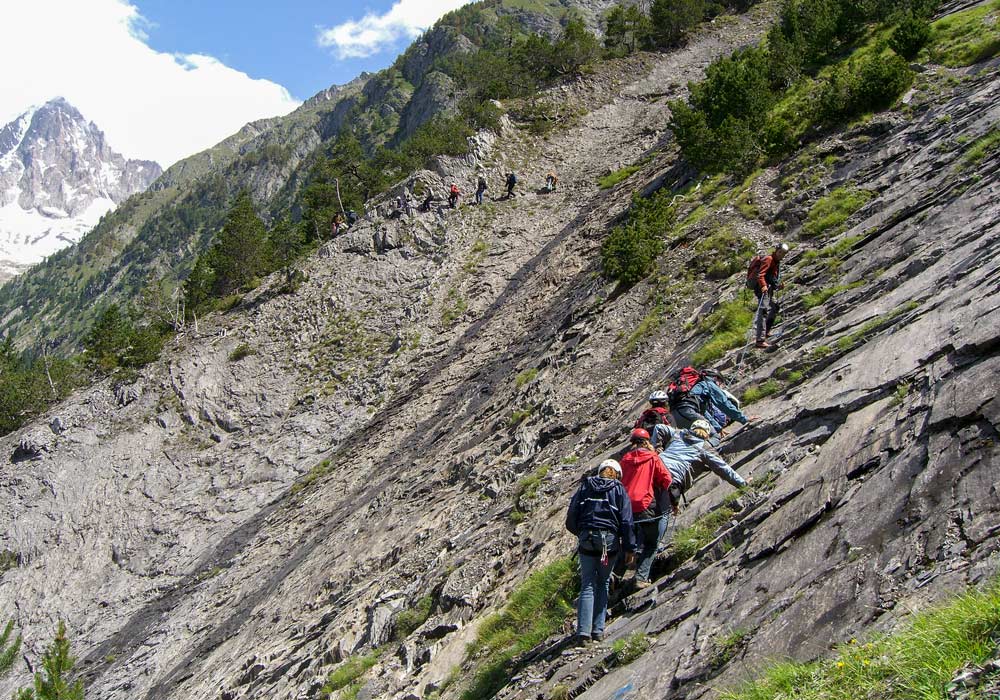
(536, 610)
(347, 675)
(625, 651)
(830, 213)
(918, 661)
(620, 175)
(964, 38)
(728, 325)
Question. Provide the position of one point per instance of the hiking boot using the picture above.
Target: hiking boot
(642, 583)
(581, 640)
(763, 344)
(597, 637)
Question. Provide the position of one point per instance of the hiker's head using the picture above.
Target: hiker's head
(610, 469)
(658, 398)
(701, 428)
(780, 251)
(639, 438)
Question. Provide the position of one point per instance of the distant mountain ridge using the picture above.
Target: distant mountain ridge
(58, 177)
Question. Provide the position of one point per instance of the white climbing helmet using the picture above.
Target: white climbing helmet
(701, 428)
(658, 396)
(613, 464)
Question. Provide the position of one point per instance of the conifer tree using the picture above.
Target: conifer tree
(52, 683)
(241, 254)
(8, 649)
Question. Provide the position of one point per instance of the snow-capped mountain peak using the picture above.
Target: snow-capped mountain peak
(58, 176)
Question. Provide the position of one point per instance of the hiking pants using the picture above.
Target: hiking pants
(592, 607)
(479, 196)
(767, 312)
(649, 532)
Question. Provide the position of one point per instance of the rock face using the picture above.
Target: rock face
(236, 528)
(58, 176)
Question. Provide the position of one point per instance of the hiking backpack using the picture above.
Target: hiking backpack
(682, 383)
(650, 419)
(753, 270)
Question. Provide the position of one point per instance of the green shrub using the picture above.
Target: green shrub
(909, 36)
(828, 215)
(454, 307)
(918, 661)
(612, 179)
(628, 254)
(728, 325)
(673, 19)
(53, 682)
(525, 377)
(409, 620)
(756, 393)
(724, 648)
(625, 651)
(868, 83)
(240, 351)
(820, 296)
(536, 610)
(723, 253)
(519, 416)
(981, 148)
(8, 649)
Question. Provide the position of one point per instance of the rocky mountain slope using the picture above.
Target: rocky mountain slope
(298, 475)
(58, 177)
(155, 237)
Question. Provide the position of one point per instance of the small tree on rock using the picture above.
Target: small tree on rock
(52, 683)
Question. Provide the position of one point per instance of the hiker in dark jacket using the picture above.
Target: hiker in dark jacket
(511, 181)
(766, 282)
(655, 416)
(687, 456)
(714, 401)
(645, 478)
(600, 515)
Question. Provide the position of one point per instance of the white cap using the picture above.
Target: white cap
(610, 463)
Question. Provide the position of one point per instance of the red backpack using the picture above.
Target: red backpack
(682, 383)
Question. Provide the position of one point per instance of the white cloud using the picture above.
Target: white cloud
(374, 33)
(149, 104)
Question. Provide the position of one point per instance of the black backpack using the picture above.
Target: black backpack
(651, 419)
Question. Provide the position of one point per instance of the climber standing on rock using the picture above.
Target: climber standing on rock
(453, 194)
(687, 455)
(550, 182)
(600, 515)
(511, 182)
(764, 277)
(645, 478)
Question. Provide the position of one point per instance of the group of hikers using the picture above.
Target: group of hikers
(622, 510)
(510, 182)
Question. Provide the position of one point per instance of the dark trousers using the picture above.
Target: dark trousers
(767, 312)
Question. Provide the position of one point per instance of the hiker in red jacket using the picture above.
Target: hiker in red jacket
(453, 194)
(765, 279)
(644, 477)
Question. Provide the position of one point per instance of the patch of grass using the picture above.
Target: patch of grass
(830, 213)
(794, 377)
(820, 296)
(964, 38)
(981, 148)
(519, 416)
(536, 610)
(411, 619)
(347, 674)
(758, 392)
(836, 250)
(689, 540)
(559, 692)
(820, 351)
(9, 560)
(525, 490)
(918, 661)
(650, 323)
(454, 307)
(620, 175)
(724, 648)
(849, 341)
(476, 255)
(240, 351)
(902, 391)
(723, 253)
(625, 651)
(525, 377)
(728, 325)
(320, 470)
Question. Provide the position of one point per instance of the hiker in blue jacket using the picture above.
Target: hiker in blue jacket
(600, 515)
(687, 455)
(713, 400)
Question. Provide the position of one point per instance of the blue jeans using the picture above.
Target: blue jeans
(479, 196)
(592, 607)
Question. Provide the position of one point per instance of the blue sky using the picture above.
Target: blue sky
(167, 78)
(280, 41)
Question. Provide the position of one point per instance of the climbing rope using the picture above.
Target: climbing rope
(750, 337)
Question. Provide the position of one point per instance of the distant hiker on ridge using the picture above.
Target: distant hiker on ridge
(453, 194)
(645, 478)
(511, 181)
(550, 182)
(764, 278)
(481, 187)
(600, 515)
